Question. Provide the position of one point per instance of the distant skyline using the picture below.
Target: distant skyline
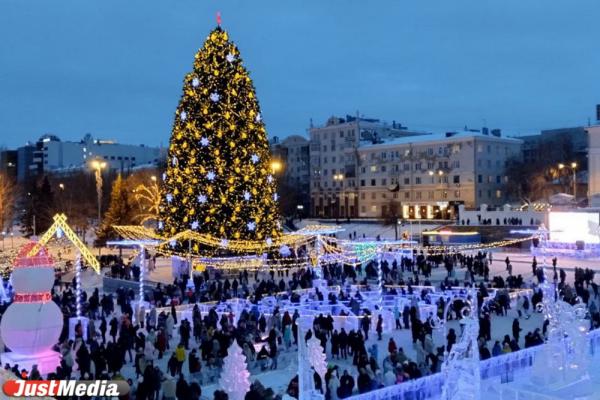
(115, 69)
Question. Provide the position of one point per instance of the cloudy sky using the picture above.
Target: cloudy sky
(114, 68)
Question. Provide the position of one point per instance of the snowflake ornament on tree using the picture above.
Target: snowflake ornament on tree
(195, 82)
(235, 378)
(316, 357)
(214, 97)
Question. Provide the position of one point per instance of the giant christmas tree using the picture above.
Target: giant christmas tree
(219, 180)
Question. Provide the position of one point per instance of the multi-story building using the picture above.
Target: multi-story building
(427, 177)
(50, 154)
(369, 169)
(594, 164)
(558, 145)
(56, 155)
(294, 157)
(333, 161)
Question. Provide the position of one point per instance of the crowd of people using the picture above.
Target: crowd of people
(165, 356)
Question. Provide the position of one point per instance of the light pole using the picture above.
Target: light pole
(340, 178)
(98, 166)
(440, 173)
(573, 168)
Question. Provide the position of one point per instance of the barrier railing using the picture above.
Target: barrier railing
(503, 366)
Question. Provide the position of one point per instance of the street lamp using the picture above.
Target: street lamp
(98, 166)
(340, 178)
(573, 168)
(276, 166)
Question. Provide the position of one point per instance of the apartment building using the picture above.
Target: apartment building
(428, 176)
(334, 161)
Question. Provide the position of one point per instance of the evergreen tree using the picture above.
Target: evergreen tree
(219, 180)
(120, 210)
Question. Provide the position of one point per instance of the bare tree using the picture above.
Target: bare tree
(7, 201)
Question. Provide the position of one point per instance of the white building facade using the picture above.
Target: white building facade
(55, 155)
(427, 177)
(334, 160)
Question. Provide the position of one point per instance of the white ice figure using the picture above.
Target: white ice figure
(317, 357)
(563, 360)
(462, 373)
(235, 378)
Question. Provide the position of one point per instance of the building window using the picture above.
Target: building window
(373, 168)
(406, 166)
(456, 179)
(374, 208)
(430, 195)
(373, 195)
(363, 170)
(407, 181)
(418, 166)
(395, 195)
(383, 182)
(489, 194)
(498, 194)
(457, 194)
(324, 148)
(479, 179)
(418, 180)
(479, 193)
(384, 195)
(373, 183)
(430, 165)
(444, 195)
(498, 179)
(407, 195)
(363, 195)
(383, 168)
(479, 148)
(363, 209)
(333, 159)
(341, 134)
(325, 172)
(418, 194)
(490, 179)
(362, 182)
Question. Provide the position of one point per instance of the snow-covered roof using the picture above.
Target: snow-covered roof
(437, 137)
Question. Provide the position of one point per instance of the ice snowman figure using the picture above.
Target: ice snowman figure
(32, 324)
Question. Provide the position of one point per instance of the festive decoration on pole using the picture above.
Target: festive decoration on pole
(235, 378)
(220, 152)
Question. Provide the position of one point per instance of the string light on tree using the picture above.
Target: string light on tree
(219, 182)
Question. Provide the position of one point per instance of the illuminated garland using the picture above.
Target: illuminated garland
(41, 297)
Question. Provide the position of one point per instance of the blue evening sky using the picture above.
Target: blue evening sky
(114, 68)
